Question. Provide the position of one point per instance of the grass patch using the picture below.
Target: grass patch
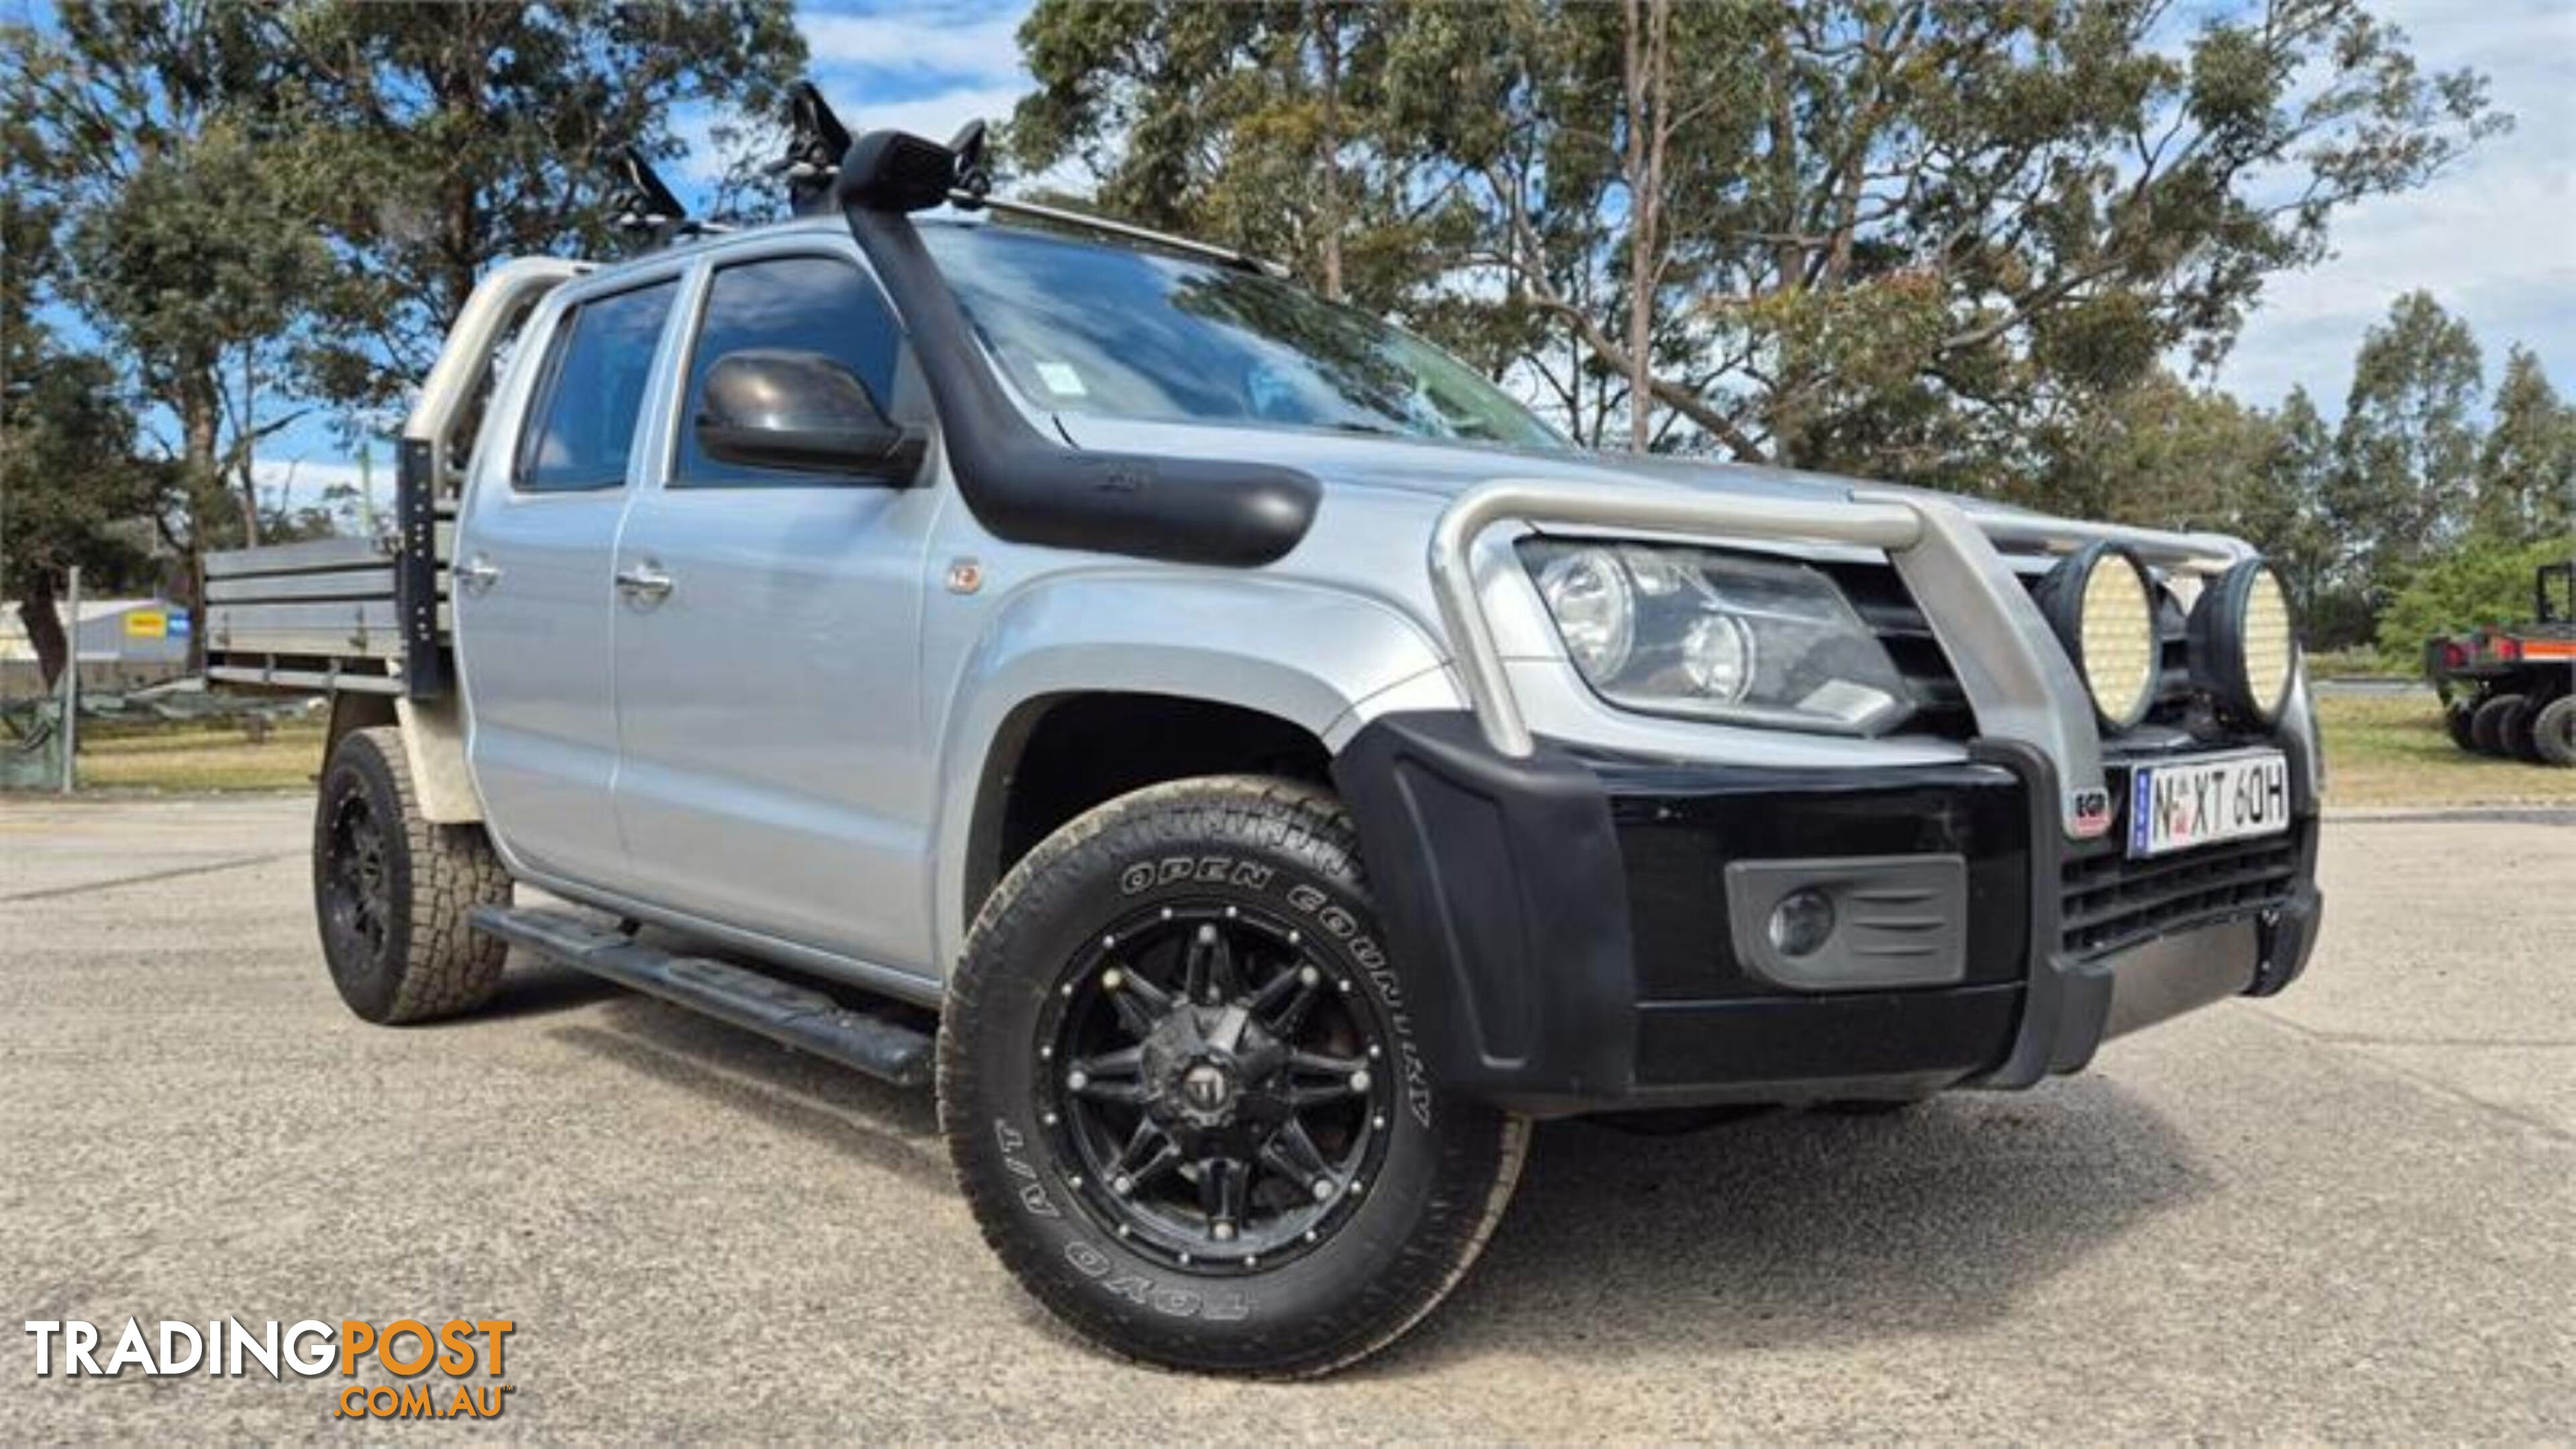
(2364, 661)
(2384, 749)
(201, 758)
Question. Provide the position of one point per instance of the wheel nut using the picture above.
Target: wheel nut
(1077, 1080)
(1309, 976)
(1225, 1232)
(1323, 1189)
(1122, 1185)
(1359, 1081)
(1112, 979)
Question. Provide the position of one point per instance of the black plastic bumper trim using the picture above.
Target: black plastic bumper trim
(1503, 890)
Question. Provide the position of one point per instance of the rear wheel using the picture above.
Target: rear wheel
(2553, 732)
(2520, 740)
(1183, 1097)
(2487, 726)
(392, 891)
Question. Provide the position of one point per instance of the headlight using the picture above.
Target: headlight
(1695, 632)
(2103, 609)
(2244, 649)
(1588, 592)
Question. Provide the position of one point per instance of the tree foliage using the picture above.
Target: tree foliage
(70, 494)
(1891, 237)
(2484, 581)
(254, 205)
(460, 134)
(2406, 454)
(2526, 471)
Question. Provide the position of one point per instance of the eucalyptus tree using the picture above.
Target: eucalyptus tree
(1889, 235)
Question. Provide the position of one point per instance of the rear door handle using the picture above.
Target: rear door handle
(478, 574)
(645, 582)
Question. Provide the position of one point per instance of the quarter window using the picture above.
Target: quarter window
(592, 392)
(802, 304)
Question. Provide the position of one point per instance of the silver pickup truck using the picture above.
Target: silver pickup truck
(1253, 765)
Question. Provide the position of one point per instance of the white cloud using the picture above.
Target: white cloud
(939, 116)
(303, 482)
(2489, 238)
(949, 41)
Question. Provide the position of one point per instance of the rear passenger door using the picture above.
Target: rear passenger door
(533, 601)
(775, 776)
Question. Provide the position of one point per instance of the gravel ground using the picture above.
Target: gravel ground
(2342, 1214)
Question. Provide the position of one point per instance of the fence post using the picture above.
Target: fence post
(71, 691)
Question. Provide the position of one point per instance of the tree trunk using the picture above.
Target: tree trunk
(1647, 63)
(44, 625)
(1328, 46)
(205, 493)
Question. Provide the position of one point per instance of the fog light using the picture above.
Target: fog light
(1802, 923)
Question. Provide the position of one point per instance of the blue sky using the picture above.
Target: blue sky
(2491, 238)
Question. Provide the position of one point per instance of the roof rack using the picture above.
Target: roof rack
(817, 141)
(646, 207)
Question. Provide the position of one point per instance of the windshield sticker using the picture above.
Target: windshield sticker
(1061, 379)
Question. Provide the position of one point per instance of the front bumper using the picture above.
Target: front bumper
(1569, 923)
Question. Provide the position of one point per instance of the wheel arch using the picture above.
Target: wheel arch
(1188, 675)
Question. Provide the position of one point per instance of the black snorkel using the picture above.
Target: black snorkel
(1019, 483)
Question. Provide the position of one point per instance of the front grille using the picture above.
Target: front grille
(2111, 902)
(1878, 595)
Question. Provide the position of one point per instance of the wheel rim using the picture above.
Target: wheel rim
(1215, 1089)
(357, 890)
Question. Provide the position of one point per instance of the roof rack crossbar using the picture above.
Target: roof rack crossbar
(966, 200)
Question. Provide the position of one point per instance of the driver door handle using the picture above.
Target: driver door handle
(478, 574)
(644, 582)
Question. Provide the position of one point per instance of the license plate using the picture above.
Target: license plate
(2177, 807)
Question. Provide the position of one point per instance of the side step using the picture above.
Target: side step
(805, 1019)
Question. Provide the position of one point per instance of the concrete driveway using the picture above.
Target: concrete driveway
(2343, 1214)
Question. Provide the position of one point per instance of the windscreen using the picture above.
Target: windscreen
(1081, 328)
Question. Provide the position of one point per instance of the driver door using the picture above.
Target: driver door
(774, 771)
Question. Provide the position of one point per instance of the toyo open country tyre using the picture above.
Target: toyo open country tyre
(1176, 1077)
(392, 890)
(2488, 727)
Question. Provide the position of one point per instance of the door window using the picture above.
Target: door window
(587, 403)
(803, 304)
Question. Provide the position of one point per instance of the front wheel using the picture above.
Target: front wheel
(1178, 1080)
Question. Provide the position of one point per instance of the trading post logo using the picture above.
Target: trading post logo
(434, 1363)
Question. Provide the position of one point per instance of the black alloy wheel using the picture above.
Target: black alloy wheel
(1217, 1092)
(1180, 1079)
(357, 882)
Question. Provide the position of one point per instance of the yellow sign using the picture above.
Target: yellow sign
(146, 624)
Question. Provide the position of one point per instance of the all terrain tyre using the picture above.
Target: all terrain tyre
(2487, 726)
(2456, 720)
(2553, 732)
(392, 890)
(1178, 1081)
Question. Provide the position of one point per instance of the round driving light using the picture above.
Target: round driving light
(1717, 654)
(2104, 611)
(2244, 649)
(1587, 591)
(1802, 923)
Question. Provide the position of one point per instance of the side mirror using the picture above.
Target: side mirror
(776, 408)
